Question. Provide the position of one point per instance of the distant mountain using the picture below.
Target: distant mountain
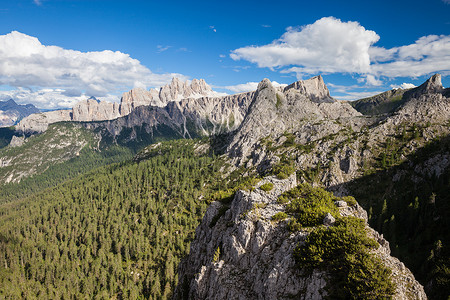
(389, 101)
(11, 112)
(95, 110)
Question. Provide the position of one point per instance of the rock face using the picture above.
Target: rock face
(272, 112)
(243, 254)
(175, 91)
(187, 118)
(138, 97)
(314, 88)
(11, 112)
(39, 122)
(94, 110)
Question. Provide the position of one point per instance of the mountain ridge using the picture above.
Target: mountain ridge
(11, 112)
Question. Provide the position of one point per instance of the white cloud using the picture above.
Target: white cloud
(328, 45)
(26, 63)
(429, 54)
(351, 96)
(446, 1)
(161, 48)
(49, 98)
(213, 28)
(403, 86)
(371, 80)
(249, 86)
(37, 2)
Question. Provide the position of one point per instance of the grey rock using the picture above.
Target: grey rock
(94, 110)
(256, 260)
(328, 220)
(17, 141)
(39, 122)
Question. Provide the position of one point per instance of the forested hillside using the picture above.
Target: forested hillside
(117, 232)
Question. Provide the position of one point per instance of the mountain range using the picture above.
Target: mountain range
(281, 211)
(11, 112)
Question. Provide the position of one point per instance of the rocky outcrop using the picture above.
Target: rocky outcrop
(314, 88)
(187, 118)
(95, 110)
(16, 141)
(272, 113)
(139, 97)
(39, 122)
(243, 254)
(432, 85)
(175, 91)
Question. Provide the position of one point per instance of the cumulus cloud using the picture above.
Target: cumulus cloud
(351, 96)
(429, 54)
(49, 98)
(26, 63)
(249, 86)
(328, 45)
(403, 86)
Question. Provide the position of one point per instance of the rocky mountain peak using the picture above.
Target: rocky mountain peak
(93, 99)
(274, 111)
(314, 88)
(432, 85)
(177, 90)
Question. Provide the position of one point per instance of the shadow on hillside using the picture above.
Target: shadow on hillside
(410, 204)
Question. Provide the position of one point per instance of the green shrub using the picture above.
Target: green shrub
(266, 187)
(344, 251)
(279, 216)
(283, 170)
(216, 255)
(309, 205)
(279, 103)
(350, 200)
(294, 225)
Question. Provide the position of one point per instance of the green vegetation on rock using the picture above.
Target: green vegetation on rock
(309, 205)
(267, 187)
(343, 251)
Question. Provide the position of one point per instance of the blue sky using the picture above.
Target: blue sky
(56, 52)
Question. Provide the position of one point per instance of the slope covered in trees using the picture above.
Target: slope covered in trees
(117, 232)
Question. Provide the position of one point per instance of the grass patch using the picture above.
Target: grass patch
(266, 187)
(279, 216)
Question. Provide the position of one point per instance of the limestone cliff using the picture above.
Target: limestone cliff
(243, 254)
(39, 122)
(273, 112)
(94, 110)
(191, 117)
